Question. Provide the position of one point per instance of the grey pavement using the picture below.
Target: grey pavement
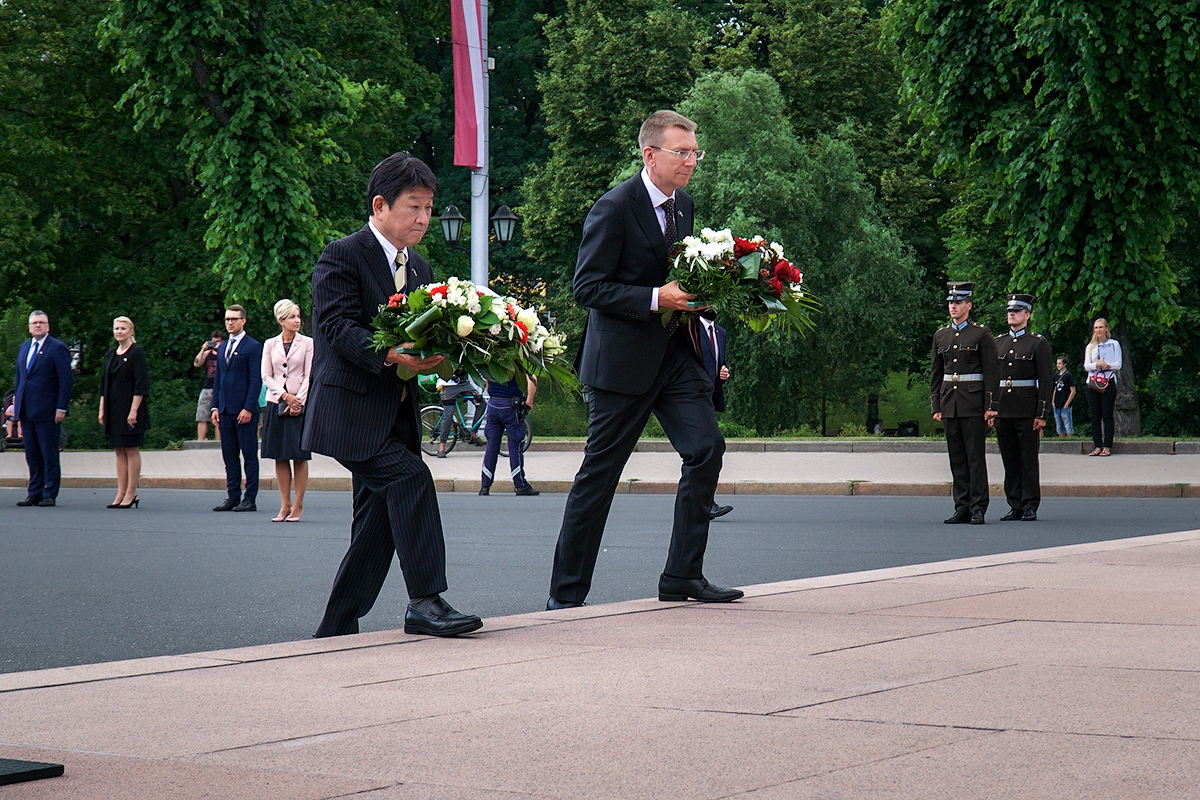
(1044, 674)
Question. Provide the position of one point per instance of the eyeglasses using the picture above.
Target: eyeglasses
(682, 154)
(234, 319)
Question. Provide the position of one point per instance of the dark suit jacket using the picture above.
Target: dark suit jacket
(354, 396)
(622, 257)
(46, 386)
(713, 363)
(237, 386)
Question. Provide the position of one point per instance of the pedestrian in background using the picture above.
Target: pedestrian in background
(1102, 360)
(1064, 397)
(207, 359)
(40, 405)
(962, 390)
(286, 368)
(124, 415)
(236, 387)
(712, 349)
(505, 416)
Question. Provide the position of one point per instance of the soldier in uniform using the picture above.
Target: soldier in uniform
(962, 391)
(1026, 388)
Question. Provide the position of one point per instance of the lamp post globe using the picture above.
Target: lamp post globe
(504, 224)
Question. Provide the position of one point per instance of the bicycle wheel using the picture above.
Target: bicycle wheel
(431, 430)
(524, 444)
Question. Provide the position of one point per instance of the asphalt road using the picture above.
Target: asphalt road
(81, 584)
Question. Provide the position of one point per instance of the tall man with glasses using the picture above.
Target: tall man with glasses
(633, 367)
(40, 404)
(235, 409)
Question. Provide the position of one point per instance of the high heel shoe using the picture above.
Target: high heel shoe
(131, 504)
(113, 505)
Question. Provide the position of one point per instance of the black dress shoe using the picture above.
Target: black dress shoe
(46, 502)
(719, 511)
(1029, 516)
(484, 491)
(31, 500)
(555, 605)
(245, 505)
(678, 589)
(1011, 515)
(229, 505)
(433, 616)
(976, 517)
(959, 518)
(526, 491)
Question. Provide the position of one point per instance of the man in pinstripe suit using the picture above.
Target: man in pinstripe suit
(361, 413)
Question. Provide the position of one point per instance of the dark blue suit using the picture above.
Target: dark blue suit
(713, 361)
(236, 386)
(41, 390)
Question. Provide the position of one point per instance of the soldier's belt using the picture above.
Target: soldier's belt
(965, 376)
(1009, 383)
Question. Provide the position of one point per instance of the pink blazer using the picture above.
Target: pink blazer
(288, 373)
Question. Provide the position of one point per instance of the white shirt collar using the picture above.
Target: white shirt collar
(657, 198)
(39, 341)
(233, 340)
(389, 249)
(707, 323)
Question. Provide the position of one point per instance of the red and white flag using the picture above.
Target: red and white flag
(466, 37)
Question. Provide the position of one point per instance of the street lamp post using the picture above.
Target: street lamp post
(504, 226)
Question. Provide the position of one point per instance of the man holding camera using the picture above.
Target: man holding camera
(207, 358)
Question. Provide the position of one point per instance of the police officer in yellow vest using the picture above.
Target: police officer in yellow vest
(1026, 389)
(962, 391)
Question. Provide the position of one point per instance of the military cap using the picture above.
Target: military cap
(1019, 301)
(959, 291)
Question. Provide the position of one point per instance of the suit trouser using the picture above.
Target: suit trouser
(239, 441)
(41, 456)
(681, 398)
(1018, 443)
(395, 512)
(966, 438)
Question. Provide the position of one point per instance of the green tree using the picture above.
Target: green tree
(610, 65)
(1078, 120)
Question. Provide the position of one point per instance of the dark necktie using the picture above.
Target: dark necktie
(670, 232)
(229, 352)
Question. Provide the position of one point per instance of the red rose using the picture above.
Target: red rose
(512, 311)
(522, 331)
(776, 287)
(783, 269)
(743, 247)
(795, 277)
(438, 291)
(395, 300)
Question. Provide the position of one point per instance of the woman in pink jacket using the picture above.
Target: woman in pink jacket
(286, 368)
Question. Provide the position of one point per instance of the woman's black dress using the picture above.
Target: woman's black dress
(124, 376)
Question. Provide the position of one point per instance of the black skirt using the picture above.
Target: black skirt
(281, 436)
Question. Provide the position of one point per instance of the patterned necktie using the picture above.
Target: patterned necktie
(229, 348)
(401, 263)
(670, 232)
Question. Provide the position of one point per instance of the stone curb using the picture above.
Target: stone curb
(848, 488)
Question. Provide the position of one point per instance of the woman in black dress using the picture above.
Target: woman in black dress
(124, 416)
(286, 367)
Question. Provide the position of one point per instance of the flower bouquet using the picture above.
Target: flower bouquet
(488, 336)
(744, 278)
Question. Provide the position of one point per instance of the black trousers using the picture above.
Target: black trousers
(395, 512)
(1018, 443)
(681, 398)
(1102, 405)
(965, 440)
(239, 442)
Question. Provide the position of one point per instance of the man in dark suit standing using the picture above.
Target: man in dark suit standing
(712, 348)
(361, 412)
(43, 391)
(633, 366)
(235, 410)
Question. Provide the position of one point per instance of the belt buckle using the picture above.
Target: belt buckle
(1008, 382)
(954, 377)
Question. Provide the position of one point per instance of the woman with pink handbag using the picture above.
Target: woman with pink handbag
(1102, 360)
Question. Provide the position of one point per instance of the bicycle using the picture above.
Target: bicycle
(431, 427)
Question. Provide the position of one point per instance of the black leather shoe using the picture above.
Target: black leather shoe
(31, 500)
(245, 505)
(719, 511)
(976, 517)
(46, 502)
(1029, 516)
(1011, 515)
(484, 491)
(433, 616)
(555, 605)
(959, 518)
(679, 589)
(229, 505)
(526, 491)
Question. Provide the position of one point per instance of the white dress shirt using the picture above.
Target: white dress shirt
(657, 198)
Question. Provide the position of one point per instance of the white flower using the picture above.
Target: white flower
(496, 329)
(465, 326)
(553, 345)
(715, 251)
(778, 249)
(528, 317)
